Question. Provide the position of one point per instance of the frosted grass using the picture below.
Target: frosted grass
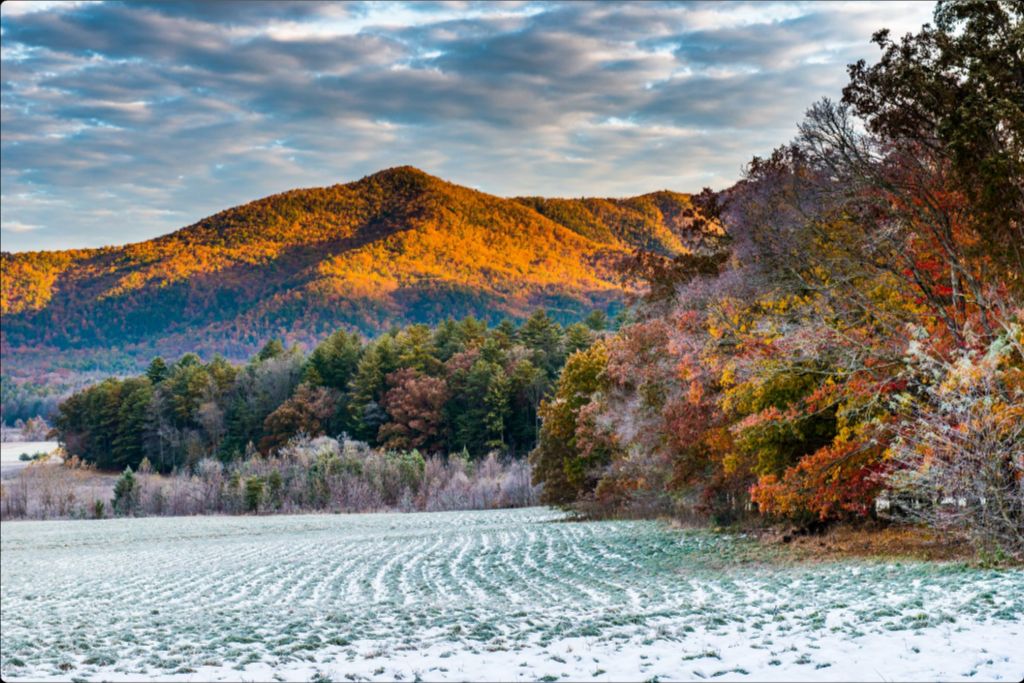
(510, 594)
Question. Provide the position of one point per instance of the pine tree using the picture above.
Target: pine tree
(126, 494)
(253, 494)
(577, 338)
(498, 403)
(272, 349)
(543, 337)
(597, 320)
(157, 371)
(335, 361)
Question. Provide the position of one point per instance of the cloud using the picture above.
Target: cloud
(124, 121)
(16, 226)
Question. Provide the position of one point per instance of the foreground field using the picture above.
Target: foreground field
(478, 595)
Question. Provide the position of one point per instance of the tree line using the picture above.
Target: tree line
(461, 387)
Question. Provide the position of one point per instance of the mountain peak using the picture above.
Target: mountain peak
(404, 173)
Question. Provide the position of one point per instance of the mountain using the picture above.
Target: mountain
(395, 247)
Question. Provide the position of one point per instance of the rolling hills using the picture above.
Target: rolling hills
(395, 247)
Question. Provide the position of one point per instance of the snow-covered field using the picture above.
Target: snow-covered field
(11, 452)
(501, 595)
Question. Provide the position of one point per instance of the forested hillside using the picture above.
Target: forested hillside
(394, 248)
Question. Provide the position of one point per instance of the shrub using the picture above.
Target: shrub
(959, 460)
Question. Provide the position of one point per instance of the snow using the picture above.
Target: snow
(11, 452)
(495, 595)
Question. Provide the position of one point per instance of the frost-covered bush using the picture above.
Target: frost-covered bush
(51, 488)
(306, 474)
(959, 459)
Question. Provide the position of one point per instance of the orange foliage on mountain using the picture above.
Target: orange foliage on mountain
(395, 247)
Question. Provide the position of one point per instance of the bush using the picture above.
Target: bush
(960, 456)
(307, 474)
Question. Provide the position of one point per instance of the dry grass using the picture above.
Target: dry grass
(868, 542)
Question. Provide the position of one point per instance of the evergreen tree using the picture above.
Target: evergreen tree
(157, 371)
(126, 494)
(543, 337)
(253, 494)
(597, 320)
(272, 349)
(369, 385)
(528, 386)
(335, 361)
(134, 398)
(577, 338)
(498, 403)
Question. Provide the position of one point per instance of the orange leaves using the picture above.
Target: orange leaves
(836, 481)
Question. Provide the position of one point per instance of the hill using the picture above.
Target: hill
(395, 247)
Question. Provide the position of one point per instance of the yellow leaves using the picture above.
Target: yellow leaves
(728, 377)
(27, 279)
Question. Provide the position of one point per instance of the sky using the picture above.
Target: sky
(121, 122)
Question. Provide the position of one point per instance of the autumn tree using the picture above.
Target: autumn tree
(415, 406)
(308, 411)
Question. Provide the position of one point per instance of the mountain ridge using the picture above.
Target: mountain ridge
(393, 247)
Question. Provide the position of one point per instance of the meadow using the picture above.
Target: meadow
(508, 594)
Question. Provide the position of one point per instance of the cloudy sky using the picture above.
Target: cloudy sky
(122, 122)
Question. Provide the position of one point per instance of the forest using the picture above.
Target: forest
(458, 388)
(850, 346)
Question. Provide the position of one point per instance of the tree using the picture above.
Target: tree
(253, 494)
(415, 348)
(369, 385)
(335, 360)
(272, 349)
(35, 429)
(559, 463)
(308, 411)
(470, 378)
(528, 385)
(577, 338)
(157, 371)
(597, 320)
(134, 397)
(126, 494)
(958, 460)
(415, 407)
(543, 337)
(955, 92)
